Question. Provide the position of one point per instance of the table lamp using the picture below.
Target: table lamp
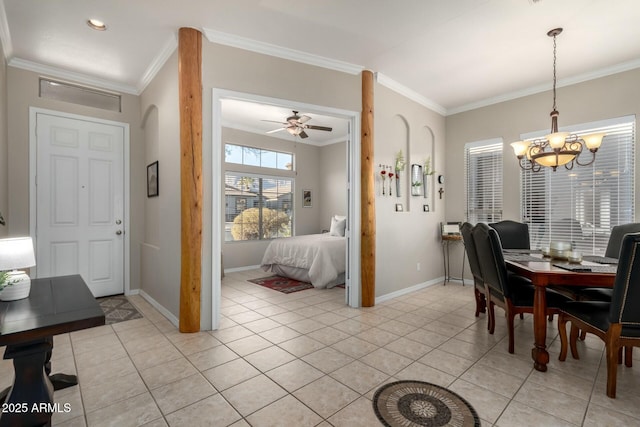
(16, 253)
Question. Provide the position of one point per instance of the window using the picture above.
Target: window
(251, 156)
(483, 180)
(257, 205)
(583, 204)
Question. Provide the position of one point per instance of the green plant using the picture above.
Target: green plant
(4, 280)
(426, 167)
(400, 163)
(246, 226)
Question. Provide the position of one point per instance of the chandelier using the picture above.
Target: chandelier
(557, 148)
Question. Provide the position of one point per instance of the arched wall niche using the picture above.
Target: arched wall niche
(401, 141)
(427, 150)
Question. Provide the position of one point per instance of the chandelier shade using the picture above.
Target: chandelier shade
(557, 148)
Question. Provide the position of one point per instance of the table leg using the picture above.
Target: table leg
(539, 353)
(31, 387)
(444, 261)
(59, 381)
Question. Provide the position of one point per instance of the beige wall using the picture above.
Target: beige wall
(23, 93)
(332, 183)
(160, 247)
(406, 239)
(608, 97)
(4, 177)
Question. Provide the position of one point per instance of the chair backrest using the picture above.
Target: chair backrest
(625, 302)
(490, 258)
(615, 239)
(470, 248)
(513, 235)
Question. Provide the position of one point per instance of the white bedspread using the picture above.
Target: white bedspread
(321, 254)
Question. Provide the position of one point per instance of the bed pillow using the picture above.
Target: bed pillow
(338, 224)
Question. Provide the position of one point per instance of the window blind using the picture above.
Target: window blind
(583, 204)
(483, 180)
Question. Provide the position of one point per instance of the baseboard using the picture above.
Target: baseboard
(166, 313)
(408, 290)
(236, 269)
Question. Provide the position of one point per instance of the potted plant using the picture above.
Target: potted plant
(426, 172)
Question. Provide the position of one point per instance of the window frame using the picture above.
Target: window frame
(475, 210)
(258, 172)
(587, 225)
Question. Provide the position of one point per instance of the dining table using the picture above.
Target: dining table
(543, 272)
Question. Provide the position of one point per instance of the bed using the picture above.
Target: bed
(318, 259)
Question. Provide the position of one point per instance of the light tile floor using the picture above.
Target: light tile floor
(306, 359)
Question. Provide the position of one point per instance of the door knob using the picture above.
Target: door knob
(118, 222)
(119, 232)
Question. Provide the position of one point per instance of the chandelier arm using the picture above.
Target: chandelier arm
(593, 158)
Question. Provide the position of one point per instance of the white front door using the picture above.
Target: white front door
(80, 201)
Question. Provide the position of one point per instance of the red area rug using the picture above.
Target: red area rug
(282, 284)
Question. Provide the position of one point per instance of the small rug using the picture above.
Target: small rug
(282, 284)
(118, 309)
(418, 403)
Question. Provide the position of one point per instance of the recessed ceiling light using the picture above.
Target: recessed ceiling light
(96, 24)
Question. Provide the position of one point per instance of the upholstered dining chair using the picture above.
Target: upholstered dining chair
(613, 251)
(513, 235)
(617, 322)
(511, 292)
(474, 265)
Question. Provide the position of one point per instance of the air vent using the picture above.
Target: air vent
(66, 92)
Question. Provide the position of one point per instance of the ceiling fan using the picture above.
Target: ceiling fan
(296, 125)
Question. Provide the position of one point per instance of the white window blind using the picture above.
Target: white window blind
(583, 204)
(483, 180)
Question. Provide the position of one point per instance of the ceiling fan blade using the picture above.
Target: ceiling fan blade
(276, 130)
(325, 128)
(303, 134)
(304, 119)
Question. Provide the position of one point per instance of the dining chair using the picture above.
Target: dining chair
(513, 234)
(474, 265)
(617, 322)
(512, 292)
(613, 251)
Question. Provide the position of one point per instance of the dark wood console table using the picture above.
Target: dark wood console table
(56, 305)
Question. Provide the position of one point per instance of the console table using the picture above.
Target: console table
(56, 305)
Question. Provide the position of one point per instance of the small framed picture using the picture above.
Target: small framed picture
(425, 208)
(399, 207)
(152, 180)
(306, 199)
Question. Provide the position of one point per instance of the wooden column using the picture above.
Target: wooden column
(367, 196)
(190, 93)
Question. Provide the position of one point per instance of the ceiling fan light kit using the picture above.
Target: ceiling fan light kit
(296, 125)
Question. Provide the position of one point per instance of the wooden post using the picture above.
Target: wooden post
(367, 196)
(190, 89)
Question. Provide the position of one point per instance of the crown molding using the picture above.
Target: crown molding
(157, 63)
(409, 93)
(72, 76)
(580, 78)
(280, 52)
(5, 36)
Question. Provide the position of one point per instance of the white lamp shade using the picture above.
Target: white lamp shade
(556, 140)
(593, 141)
(16, 253)
(520, 147)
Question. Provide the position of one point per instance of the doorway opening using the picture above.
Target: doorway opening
(352, 186)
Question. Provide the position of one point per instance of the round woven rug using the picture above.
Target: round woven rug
(418, 403)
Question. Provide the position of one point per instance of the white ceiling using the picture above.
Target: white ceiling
(451, 55)
(259, 118)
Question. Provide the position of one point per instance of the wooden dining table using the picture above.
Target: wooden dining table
(543, 272)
